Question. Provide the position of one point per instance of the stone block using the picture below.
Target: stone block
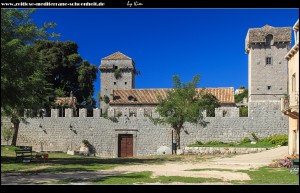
(97, 113)
(164, 150)
(82, 112)
(54, 112)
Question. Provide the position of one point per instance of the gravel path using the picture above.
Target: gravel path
(240, 162)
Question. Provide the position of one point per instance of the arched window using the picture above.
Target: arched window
(269, 39)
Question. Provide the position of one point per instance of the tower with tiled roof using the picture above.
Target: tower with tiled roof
(267, 67)
(117, 72)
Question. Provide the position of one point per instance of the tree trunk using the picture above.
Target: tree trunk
(177, 137)
(16, 123)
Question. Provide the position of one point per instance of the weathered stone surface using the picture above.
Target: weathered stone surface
(164, 150)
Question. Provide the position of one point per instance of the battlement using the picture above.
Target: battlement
(116, 112)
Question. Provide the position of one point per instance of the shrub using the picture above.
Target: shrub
(276, 139)
(7, 134)
(232, 144)
(214, 143)
(86, 142)
(246, 140)
(254, 137)
(199, 142)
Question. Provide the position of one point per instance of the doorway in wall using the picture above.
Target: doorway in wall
(125, 145)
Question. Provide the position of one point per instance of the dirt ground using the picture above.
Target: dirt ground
(240, 162)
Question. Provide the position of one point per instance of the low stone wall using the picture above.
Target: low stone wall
(221, 150)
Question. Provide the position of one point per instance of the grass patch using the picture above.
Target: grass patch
(62, 162)
(242, 145)
(145, 177)
(211, 169)
(270, 175)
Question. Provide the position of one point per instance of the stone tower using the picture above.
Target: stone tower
(117, 72)
(267, 67)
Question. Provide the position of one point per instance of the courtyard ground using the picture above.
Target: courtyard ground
(192, 170)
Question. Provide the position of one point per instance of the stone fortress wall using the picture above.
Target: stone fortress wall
(66, 133)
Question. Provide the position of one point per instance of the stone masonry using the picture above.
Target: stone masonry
(66, 133)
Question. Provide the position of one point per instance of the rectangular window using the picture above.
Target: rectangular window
(125, 82)
(294, 82)
(269, 87)
(115, 83)
(268, 60)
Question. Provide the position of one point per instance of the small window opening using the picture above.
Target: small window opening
(125, 82)
(269, 87)
(268, 60)
(115, 83)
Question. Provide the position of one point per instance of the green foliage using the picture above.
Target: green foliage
(242, 87)
(199, 142)
(106, 99)
(23, 84)
(254, 137)
(281, 140)
(232, 144)
(243, 111)
(7, 133)
(246, 140)
(86, 142)
(182, 104)
(209, 102)
(119, 114)
(118, 73)
(214, 143)
(269, 175)
(66, 71)
(239, 97)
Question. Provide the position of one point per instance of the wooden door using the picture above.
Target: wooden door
(125, 145)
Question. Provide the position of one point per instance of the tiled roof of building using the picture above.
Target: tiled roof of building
(149, 96)
(258, 35)
(117, 56)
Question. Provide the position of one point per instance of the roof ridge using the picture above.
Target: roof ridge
(117, 56)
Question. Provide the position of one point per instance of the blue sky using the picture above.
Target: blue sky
(167, 42)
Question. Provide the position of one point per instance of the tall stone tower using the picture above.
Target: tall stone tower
(267, 67)
(117, 72)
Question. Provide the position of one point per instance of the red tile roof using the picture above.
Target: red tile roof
(149, 96)
(117, 56)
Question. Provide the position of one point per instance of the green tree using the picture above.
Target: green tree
(7, 133)
(67, 71)
(182, 104)
(22, 74)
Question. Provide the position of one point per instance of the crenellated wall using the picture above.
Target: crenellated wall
(56, 133)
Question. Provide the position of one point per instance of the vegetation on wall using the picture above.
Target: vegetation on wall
(239, 97)
(243, 111)
(106, 99)
(118, 73)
